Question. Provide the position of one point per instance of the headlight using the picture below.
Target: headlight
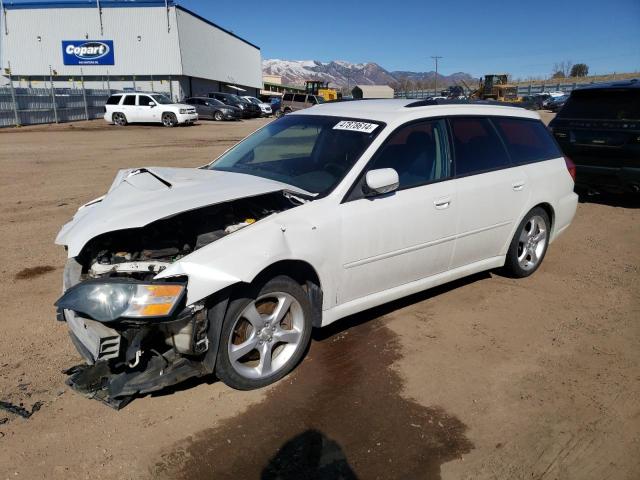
(184, 110)
(106, 301)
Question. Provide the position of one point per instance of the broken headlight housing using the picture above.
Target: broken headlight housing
(106, 300)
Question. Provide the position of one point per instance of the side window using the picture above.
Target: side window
(114, 99)
(129, 100)
(298, 98)
(312, 100)
(144, 100)
(287, 97)
(526, 140)
(477, 146)
(418, 152)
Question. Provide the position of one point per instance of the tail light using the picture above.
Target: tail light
(571, 167)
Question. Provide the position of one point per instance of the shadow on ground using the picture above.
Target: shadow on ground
(340, 415)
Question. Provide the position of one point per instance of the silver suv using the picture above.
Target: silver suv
(297, 101)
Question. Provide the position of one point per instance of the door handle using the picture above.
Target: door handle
(517, 186)
(442, 203)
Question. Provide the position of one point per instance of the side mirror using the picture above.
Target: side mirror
(381, 181)
(152, 104)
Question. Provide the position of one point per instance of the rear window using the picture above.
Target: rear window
(605, 104)
(129, 100)
(478, 147)
(526, 140)
(114, 99)
(298, 98)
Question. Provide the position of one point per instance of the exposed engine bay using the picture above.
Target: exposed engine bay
(155, 340)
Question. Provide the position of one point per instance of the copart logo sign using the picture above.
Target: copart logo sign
(87, 52)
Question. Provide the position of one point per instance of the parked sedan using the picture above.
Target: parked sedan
(556, 103)
(214, 109)
(226, 269)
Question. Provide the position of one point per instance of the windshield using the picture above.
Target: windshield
(623, 104)
(254, 100)
(162, 99)
(312, 153)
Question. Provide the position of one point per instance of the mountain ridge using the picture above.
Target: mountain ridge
(341, 74)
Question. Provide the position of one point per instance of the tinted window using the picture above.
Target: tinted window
(312, 100)
(129, 100)
(144, 101)
(418, 152)
(298, 98)
(114, 100)
(613, 104)
(477, 146)
(287, 97)
(526, 140)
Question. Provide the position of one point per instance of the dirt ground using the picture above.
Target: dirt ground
(486, 378)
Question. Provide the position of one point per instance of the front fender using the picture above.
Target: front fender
(241, 256)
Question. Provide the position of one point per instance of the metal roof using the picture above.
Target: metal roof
(26, 5)
(38, 4)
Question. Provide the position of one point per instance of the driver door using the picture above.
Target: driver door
(147, 109)
(394, 239)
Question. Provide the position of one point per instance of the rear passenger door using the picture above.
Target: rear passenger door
(128, 107)
(492, 191)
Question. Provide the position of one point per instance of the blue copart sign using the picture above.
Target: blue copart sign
(88, 52)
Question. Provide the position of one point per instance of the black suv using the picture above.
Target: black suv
(249, 110)
(599, 129)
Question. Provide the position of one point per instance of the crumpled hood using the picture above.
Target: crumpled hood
(140, 196)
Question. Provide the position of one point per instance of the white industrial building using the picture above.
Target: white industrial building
(129, 45)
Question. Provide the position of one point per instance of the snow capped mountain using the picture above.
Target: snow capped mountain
(340, 73)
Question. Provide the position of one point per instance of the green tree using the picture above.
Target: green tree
(558, 75)
(580, 70)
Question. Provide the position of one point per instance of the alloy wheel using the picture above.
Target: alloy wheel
(532, 242)
(266, 335)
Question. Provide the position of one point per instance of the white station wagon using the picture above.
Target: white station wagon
(225, 269)
(141, 107)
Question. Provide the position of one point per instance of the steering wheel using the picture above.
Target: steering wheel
(334, 169)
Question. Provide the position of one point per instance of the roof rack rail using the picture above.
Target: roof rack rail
(452, 101)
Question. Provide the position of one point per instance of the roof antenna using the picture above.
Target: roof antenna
(100, 16)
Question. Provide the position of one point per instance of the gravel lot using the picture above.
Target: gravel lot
(485, 378)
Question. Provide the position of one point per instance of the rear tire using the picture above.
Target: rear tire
(529, 244)
(169, 119)
(119, 119)
(265, 334)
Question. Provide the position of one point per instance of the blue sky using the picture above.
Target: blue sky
(472, 36)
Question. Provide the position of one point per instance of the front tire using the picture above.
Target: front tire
(218, 116)
(169, 119)
(529, 244)
(265, 334)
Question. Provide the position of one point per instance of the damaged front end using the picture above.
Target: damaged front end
(135, 331)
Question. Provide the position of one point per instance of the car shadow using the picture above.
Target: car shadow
(622, 200)
(321, 334)
(325, 333)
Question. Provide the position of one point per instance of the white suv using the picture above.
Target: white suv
(124, 108)
(321, 214)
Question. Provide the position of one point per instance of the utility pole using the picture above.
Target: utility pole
(435, 82)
